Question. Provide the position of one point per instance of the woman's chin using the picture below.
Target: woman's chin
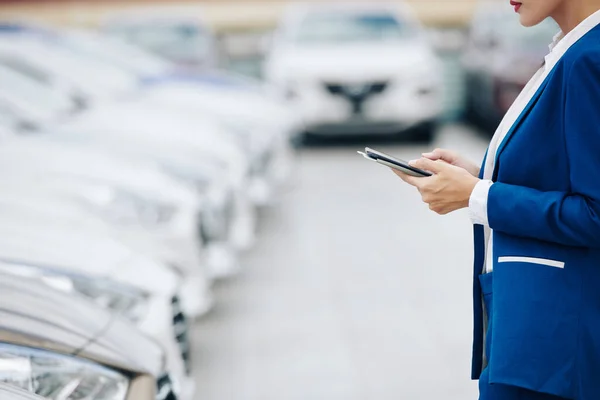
(529, 20)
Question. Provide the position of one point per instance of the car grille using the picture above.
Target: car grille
(164, 388)
(356, 94)
(356, 90)
(181, 331)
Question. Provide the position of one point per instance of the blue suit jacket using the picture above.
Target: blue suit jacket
(545, 204)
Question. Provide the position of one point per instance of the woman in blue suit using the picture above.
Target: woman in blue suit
(535, 205)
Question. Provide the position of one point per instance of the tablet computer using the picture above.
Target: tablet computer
(392, 162)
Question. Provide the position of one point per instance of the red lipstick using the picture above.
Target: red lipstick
(516, 5)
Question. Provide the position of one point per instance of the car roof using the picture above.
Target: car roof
(358, 6)
(180, 13)
(295, 13)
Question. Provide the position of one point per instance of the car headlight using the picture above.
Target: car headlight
(59, 377)
(123, 207)
(125, 300)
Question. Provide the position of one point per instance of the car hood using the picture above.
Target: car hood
(124, 346)
(35, 315)
(222, 101)
(144, 121)
(352, 62)
(25, 239)
(23, 299)
(145, 128)
(50, 157)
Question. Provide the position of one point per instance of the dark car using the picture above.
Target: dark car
(499, 59)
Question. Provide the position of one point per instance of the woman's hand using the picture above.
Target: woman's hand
(453, 158)
(449, 189)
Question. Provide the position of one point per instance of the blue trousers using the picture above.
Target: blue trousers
(494, 391)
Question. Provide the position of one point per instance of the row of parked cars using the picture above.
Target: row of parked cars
(358, 67)
(346, 68)
(128, 186)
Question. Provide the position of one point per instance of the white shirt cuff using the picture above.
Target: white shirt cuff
(478, 202)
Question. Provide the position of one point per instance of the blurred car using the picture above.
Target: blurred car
(184, 147)
(88, 263)
(264, 127)
(499, 59)
(61, 347)
(357, 68)
(156, 216)
(176, 33)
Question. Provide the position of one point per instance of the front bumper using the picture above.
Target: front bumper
(341, 108)
(166, 323)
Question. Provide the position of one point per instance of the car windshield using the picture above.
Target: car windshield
(26, 92)
(176, 41)
(59, 63)
(347, 27)
(117, 53)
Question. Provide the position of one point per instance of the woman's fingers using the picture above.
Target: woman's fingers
(441, 154)
(411, 180)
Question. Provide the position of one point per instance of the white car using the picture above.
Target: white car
(169, 138)
(263, 125)
(356, 68)
(109, 274)
(183, 146)
(158, 216)
(177, 33)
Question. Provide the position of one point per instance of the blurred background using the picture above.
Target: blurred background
(183, 214)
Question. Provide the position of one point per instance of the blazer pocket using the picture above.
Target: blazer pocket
(532, 260)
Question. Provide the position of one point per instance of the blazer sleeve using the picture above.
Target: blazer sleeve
(568, 218)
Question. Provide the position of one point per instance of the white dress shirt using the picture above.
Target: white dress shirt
(478, 200)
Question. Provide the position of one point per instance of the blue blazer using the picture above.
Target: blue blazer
(545, 205)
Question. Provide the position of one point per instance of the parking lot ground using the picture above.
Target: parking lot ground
(355, 291)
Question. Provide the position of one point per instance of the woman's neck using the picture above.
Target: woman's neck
(572, 12)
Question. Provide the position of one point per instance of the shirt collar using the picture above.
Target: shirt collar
(561, 43)
(557, 38)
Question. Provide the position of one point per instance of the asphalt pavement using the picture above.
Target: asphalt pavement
(355, 291)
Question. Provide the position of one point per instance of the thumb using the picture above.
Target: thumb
(428, 165)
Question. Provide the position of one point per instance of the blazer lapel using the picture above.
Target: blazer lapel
(483, 164)
(518, 122)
